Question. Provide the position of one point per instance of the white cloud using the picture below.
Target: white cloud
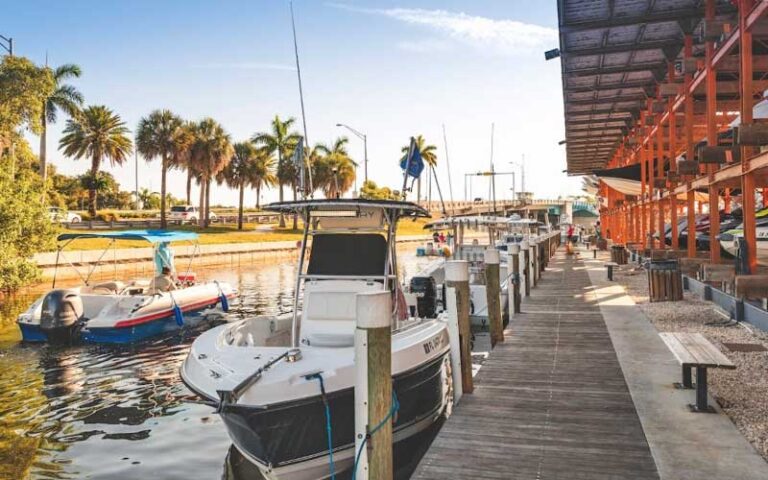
(500, 35)
(426, 45)
(246, 66)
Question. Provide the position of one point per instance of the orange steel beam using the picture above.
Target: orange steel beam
(660, 175)
(711, 86)
(643, 194)
(672, 163)
(688, 96)
(651, 175)
(747, 179)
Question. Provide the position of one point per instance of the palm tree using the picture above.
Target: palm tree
(98, 133)
(240, 172)
(282, 142)
(333, 170)
(427, 154)
(66, 98)
(209, 153)
(161, 134)
(263, 173)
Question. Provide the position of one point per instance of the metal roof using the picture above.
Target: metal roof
(613, 54)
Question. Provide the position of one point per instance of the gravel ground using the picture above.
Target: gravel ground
(742, 393)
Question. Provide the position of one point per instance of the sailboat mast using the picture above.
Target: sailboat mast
(450, 182)
(303, 113)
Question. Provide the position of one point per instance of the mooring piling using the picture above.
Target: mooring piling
(493, 295)
(525, 249)
(373, 386)
(457, 276)
(513, 263)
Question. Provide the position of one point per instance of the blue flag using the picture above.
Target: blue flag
(413, 164)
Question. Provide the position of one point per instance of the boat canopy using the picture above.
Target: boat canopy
(403, 209)
(152, 236)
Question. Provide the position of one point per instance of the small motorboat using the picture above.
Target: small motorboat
(118, 311)
(729, 240)
(273, 399)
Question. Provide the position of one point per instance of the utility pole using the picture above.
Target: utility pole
(8, 46)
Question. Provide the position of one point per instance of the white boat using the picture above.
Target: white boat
(729, 239)
(124, 311)
(272, 399)
(501, 232)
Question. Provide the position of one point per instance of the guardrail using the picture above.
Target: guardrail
(149, 223)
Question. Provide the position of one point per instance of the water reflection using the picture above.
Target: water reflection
(106, 412)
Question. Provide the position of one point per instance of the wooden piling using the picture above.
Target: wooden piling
(457, 276)
(493, 295)
(525, 251)
(514, 266)
(373, 351)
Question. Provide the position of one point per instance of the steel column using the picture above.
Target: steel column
(747, 179)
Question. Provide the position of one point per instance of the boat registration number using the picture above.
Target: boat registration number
(433, 344)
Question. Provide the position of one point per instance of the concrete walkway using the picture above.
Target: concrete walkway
(582, 389)
(685, 445)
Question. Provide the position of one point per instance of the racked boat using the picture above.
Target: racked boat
(271, 398)
(124, 311)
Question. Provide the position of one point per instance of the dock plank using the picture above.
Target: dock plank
(550, 402)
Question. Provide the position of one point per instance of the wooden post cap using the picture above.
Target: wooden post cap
(457, 271)
(491, 256)
(513, 248)
(374, 309)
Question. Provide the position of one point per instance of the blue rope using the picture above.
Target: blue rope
(392, 411)
(327, 421)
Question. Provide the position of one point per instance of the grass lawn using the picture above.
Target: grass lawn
(216, 234)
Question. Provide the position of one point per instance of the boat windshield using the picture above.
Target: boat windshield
(348, 254)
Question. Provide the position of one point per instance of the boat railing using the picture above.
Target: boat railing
(311, 276)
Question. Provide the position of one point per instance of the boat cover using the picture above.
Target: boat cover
(151, 236)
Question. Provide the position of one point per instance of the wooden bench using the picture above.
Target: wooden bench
(610, 266)
(722, 276)
(692, 350)
(753, 287)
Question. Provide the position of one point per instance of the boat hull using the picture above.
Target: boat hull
(120, 322)
(289, 441)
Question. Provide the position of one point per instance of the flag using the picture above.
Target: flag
(412, 163)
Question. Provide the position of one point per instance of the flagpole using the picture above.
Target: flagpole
(407, 162)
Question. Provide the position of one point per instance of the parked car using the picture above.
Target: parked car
(187, 213)
(62, 216)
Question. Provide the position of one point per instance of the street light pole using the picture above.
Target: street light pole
(364, 138)
(9, 44)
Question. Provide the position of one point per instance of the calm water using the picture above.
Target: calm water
(103, 412)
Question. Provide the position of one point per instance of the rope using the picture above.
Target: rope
(327, 421)
(392, 411)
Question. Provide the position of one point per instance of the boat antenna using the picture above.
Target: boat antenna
(301, 99)
(492, 182)
(448, 167)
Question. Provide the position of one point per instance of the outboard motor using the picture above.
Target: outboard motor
(61, 316)
(425, 289)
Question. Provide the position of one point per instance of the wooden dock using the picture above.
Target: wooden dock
(549, 403)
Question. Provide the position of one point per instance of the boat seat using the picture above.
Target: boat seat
(105, 288)
(330, 310)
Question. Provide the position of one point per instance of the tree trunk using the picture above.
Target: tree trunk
(295, 217)
(43, 149)
(418, 190)
(92, 190)
(201, 209)
(189, 187)
(258, 196)
(207, 203)
(163, 172)
(280, 183)
(240, 209)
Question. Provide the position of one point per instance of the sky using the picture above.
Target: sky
(390, 69)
